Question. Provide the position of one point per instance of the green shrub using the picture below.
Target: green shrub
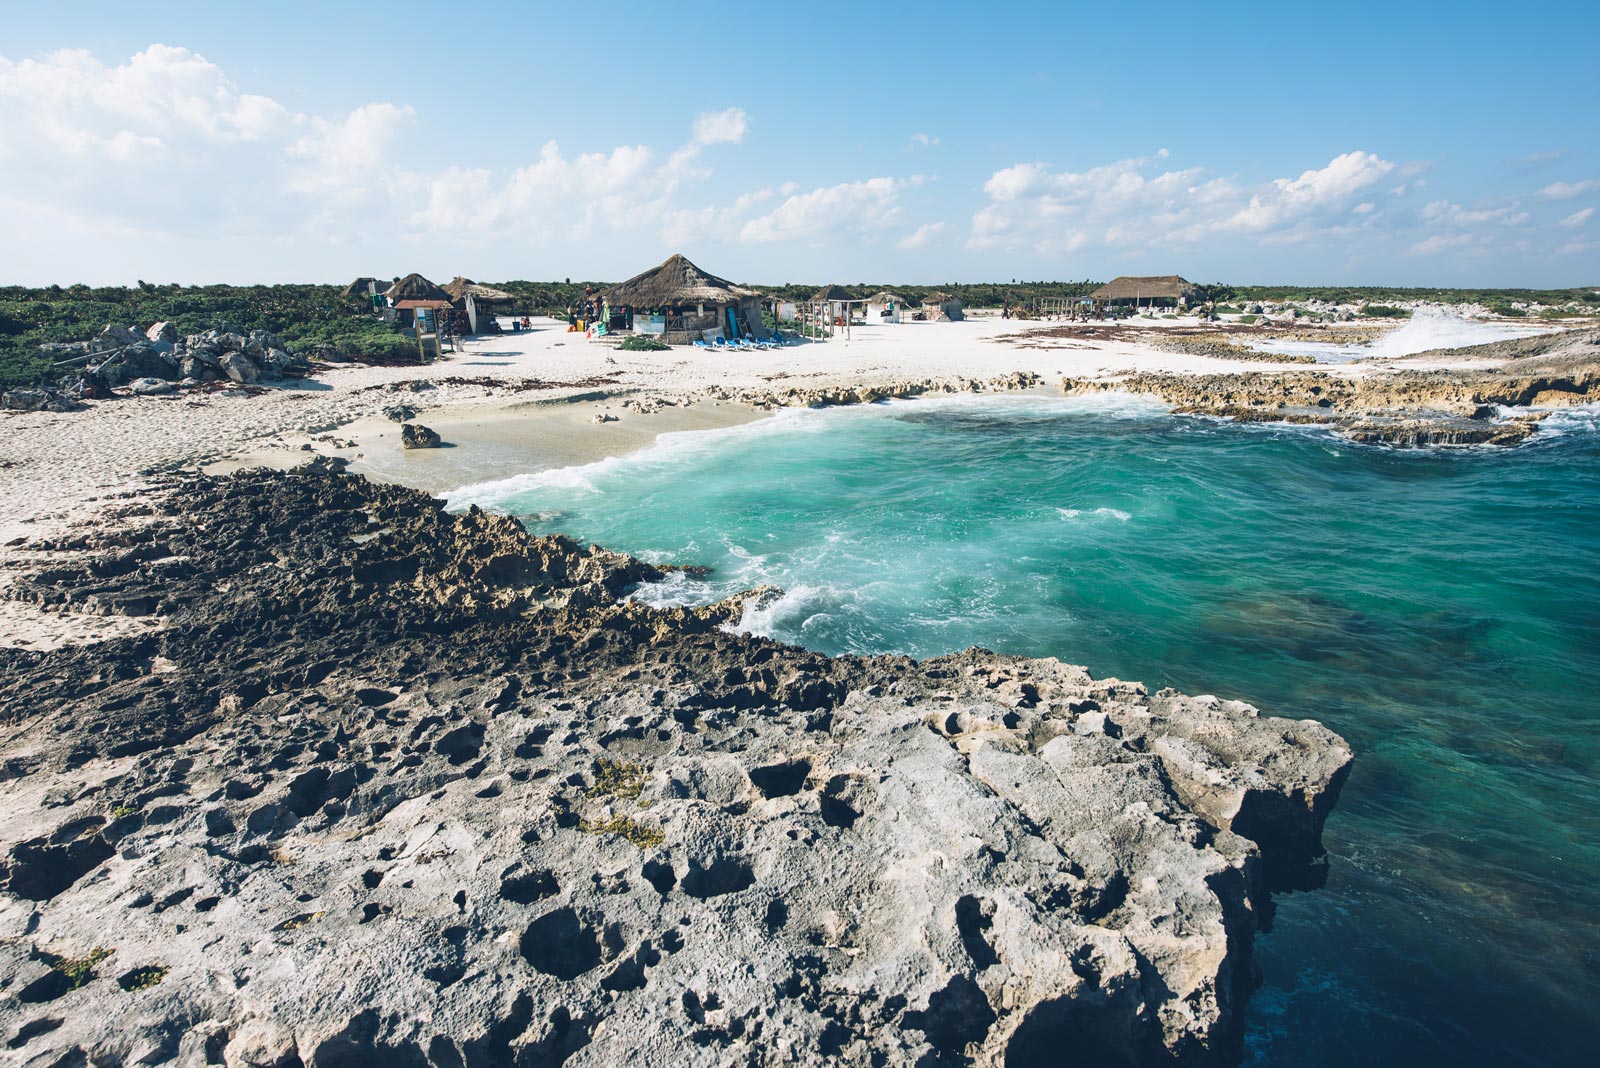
(642, 343)
(1506, 311)
(1384, 311)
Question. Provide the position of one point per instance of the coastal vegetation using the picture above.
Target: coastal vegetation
(314, 317)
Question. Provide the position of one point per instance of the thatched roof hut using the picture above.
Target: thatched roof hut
(1166, 288)
(458, 289)
(415, 287)
(886, 307)
(365, 286)
(676, 283)
(831, 293)
(942, 307)
(682, 303)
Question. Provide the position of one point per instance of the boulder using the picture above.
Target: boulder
(144, 360)
(162, 331)
(400, 413)
(282, 361)
(151, 387)
(37, 400)
(240, 368)
(417, 436)
(114, 335)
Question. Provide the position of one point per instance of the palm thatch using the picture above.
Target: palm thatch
(1144, 287)
(884, 297)
(415, 287)
(459, 287)
(830, 293)
(676, 283)
(359, 288)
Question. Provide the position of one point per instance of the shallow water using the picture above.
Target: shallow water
(1426, 330)
(1439, 609)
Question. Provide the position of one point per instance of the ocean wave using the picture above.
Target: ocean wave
(1095, 513)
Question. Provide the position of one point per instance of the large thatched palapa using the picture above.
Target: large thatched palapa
(682, 303)
(1164, 289)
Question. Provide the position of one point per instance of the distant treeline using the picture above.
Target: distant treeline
(321, 316)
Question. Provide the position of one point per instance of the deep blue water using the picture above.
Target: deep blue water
(1440, 609)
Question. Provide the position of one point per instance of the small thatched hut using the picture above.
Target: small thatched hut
(681, 303)
(412, 287)
(366, 288)
(1164, 290)
(472, 300)
(942, 308)
(885, 307)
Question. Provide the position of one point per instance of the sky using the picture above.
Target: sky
(1383, 144)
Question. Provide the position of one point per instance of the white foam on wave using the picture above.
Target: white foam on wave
(1574, 419)
(1427, 329)
(1097, 513)
(673, 448)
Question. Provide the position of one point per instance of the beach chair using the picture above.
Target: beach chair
(701, 343)
(723, 343)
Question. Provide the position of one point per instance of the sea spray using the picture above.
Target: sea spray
(1426, 330)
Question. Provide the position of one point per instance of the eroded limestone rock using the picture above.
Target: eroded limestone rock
(397, 785)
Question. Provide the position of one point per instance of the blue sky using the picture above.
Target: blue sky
(1411, 144)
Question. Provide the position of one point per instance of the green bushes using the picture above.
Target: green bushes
(304, 316)
(642, 343)
(1506, 311)
(1384, 311)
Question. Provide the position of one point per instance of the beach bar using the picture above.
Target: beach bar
(680, 303)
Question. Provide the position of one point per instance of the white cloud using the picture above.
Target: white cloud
(1441, 243)
(340, 156)
(163, 97)
(849, 207)
(1576, 246)
(922, 237)
(925, 140)
(1568, 190)
(1578, 218)
(1452, 214)
(721, 127)
(1131, 205)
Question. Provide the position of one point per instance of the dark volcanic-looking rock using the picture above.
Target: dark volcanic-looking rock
(392, 785)
(417, 436)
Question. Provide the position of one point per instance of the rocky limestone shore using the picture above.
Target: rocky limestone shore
(1485, 402)
(392, 785)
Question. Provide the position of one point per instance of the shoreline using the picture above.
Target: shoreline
(529, 402)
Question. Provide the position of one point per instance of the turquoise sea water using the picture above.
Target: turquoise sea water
(1440, 609)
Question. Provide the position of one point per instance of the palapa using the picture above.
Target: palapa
(415, 287)
(676, 283)
(458, 289)
(1146, 287)
(361, 286)
(831, 293)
